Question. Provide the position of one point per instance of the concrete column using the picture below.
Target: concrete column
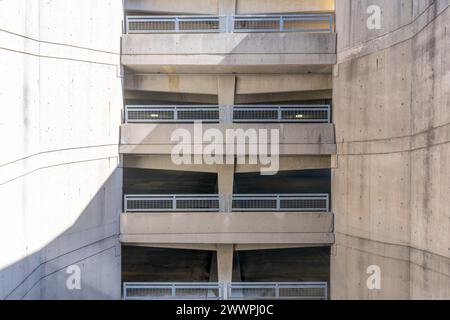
(226, 8)
(225, 180)
(225, 265)
(226, 88)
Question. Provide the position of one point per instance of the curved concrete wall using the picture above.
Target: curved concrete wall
(391, 189)
(60, 185)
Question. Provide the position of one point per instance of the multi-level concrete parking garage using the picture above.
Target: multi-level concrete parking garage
(93, 91)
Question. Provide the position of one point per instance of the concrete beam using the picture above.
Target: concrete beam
(213, 7)
(290, 163)
(262, 98)
(245, 84)
(192, 84)
(227, 228)
(213, 246)
(254, 84)
(172, 7)
(276, 97)
(164, 162)
(295, 139)
(172, 97)
(268, 246)
(284, 6)
(228, 52)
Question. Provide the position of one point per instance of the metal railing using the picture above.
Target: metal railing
(158, 114)
(241, 203)
(172, 291)
(282, 291)
(235, 290)
(161, 203)
(282, 113)
(240, 113)
(175, 24)
(236, 23)
(281, 202)
(283, 23)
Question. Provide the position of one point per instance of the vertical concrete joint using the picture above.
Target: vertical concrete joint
(225, 181)
(225, 265)
(226, 88)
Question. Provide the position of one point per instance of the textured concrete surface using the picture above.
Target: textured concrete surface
(228, 52)
(391, 188)
(236, 227)
(304, 139)
(60, 185)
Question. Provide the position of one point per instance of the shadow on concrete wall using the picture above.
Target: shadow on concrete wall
(91, 243)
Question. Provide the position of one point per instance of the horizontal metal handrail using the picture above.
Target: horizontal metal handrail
(171, 113)
(284, 23)
(278, 290)
(172, 291)
(281, 202)
(236, 23)
(240, 203)
(175, 24)
(282, 113)
(240, 113)
(161, 203)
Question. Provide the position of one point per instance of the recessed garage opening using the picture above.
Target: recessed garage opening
(148, 272)
(145, 181)
(147, 264)
(285, 265)
(304, 181)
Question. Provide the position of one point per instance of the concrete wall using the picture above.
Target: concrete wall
(60, 185)
(391, 190)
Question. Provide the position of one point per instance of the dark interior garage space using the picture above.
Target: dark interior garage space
(147, 264)
(145, 181)
(302, 181)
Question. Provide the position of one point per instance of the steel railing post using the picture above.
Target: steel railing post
(230, 24)
(174, 203)
(174, 293)
(329, 114)
(177, 24)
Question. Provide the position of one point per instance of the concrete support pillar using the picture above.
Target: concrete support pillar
(225, 181)
(225, 265)
(226, 8)
(226, 88)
